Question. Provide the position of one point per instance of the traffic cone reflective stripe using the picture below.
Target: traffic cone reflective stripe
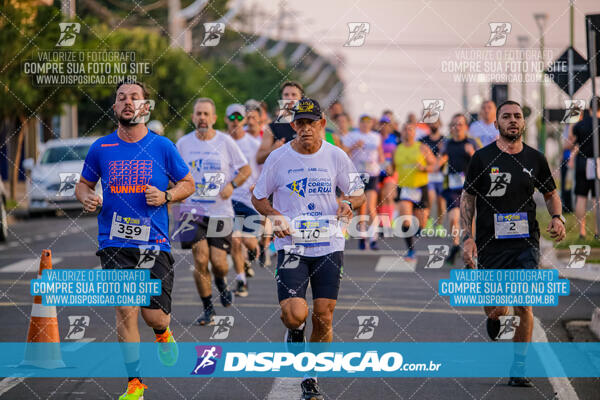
(43, 328)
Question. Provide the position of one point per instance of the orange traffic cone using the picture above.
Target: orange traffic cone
(43, 328)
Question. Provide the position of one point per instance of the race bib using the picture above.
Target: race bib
(209, 187)
(130, 229)
(591, 169)
(435, 177)
(311, 233)
(413, 194)
(456, 181)
(511, 226)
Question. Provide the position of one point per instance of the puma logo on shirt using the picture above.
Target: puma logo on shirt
(529, 172)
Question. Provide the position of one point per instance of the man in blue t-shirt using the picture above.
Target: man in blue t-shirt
(135, 166)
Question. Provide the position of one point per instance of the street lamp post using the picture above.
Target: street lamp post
(540, 20)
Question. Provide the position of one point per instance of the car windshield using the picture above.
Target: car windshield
(65, 153)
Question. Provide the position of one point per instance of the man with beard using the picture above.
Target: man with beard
(502, 177)
(218, 167)
(135, 167)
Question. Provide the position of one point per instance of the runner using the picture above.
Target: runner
(456, 152)
(342, 122)
(277, 133)
(242, 204)
(412, 161)
(388, 180)
(218, 167)
(581, 136)
(133, 158)
(253, 119)
(315, 259)
(484, 129)
(502, 178)
(367, 155)
(436, 178)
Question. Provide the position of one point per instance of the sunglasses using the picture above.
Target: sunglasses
(233, 117)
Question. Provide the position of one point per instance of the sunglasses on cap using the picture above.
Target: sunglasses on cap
(239, 117)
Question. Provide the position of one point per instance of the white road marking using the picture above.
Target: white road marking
(27, 265)
(10, 382)
(395, 264)
(285, 389)
(562, 386)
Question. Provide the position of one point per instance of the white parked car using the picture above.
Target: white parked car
(51, 183)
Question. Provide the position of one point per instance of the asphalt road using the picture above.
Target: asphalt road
(405, 301)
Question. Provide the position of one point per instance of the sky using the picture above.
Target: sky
(412, 46)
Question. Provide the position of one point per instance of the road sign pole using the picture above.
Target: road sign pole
(592, 63)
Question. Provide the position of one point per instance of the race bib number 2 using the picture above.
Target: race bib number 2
(511, 226)
(311, 233)
(130, 229)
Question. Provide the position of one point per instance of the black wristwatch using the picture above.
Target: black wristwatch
(561, 218)
(234, 185)
(466, 236)
(168, 196)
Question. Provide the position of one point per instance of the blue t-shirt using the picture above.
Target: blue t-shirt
(124, 170)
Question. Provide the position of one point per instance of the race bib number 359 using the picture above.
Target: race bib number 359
(130, 229)
(511, 226)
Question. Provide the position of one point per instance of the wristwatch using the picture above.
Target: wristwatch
(234, 185)
(349, 204)
(466, 236)
(168, 196)
(561, 217)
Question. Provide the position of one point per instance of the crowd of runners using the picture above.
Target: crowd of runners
(310, 171)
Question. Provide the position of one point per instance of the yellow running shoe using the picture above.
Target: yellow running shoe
(135, 390)
(168, 351)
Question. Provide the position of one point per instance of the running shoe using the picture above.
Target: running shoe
(241, 289)
(362, 244)
(226, 298)
(135, 390)
(517, 370)
(168, 351)
(248, 269)
(429, 224)
(262, 256)
(294, 340)
(410, 255)
(310, 390)
(440, 231)
(207, 318)
(493, 328)
(374, 246)
(251, 255)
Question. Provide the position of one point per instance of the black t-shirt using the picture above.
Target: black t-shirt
(282, 130)
(433, 144)
(583, 137)
(458, 158)
(504, 184)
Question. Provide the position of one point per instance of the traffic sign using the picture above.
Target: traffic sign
(559, 71)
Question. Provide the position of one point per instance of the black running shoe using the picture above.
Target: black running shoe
(520, 382)
(310, 390)
(493, 328)
(251, 255)
(294, 340)
(241, 289)
(226, 298)
(262, 256)
(207, 318)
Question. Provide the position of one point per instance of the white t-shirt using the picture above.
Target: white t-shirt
(303, 188)
(365, 159)
(213, 164)
(249, 146)
(486, 133)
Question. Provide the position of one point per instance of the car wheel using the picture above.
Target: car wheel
(3, 222)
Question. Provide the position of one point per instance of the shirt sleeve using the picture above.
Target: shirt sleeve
(544, 181)
(91, 166)
(177, 169)
(474, 172)
(265, 185)
(238, 159)
(347, 178)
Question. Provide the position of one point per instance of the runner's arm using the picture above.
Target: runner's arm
(183, 188)
(429, 159)
(357, 201)
(280, 225)
(85, 193)
(467, 212)
(267, 145)
(242, 175)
